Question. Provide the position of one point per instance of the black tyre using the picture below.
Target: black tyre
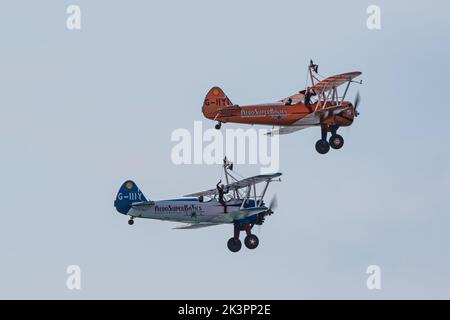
(218, 126)
(234, 245)
(322, 146)
(251, 241)
(336, 141)
(130, 222)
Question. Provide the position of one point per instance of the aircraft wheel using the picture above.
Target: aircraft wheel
(218, 126)
(336, 141)
(251, 241)
(322, 146)
(131, 222)
(234, 245)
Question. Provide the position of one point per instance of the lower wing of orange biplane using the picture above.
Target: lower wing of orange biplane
(311, 120)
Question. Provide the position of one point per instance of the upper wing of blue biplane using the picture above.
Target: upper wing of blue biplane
(238, 184)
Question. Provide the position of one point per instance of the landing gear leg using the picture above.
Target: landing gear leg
(234, 244)
(251, 241)
(218, 125)
(131, 221)
(322, 145)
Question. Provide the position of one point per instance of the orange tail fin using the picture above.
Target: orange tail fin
(215, 99)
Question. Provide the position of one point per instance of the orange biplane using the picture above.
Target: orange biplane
(317, 105)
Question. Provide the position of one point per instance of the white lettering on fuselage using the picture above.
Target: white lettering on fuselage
(264, 112)
(178, 208)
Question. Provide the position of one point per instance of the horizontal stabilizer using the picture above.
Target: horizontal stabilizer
(143, 205)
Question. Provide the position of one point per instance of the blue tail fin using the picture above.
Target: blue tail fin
(128, 194)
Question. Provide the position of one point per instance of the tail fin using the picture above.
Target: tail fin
(128, 194)
(214, 100)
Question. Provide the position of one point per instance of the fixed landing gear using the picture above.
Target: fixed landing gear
(251, 241)
(131, 221)
(218, 125)
(234, 244)
(336, 141)
(322, 145)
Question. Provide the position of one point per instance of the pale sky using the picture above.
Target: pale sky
(82, 111)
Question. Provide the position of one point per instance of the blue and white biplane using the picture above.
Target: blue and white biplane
(240, 205)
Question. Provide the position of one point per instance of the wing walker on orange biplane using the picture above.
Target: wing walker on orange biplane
(320, 104)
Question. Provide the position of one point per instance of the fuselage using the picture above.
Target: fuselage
(191, 210)
(278, 114)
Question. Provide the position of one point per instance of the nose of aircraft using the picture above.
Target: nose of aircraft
(352, 111)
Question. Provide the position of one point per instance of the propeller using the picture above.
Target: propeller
(356, 103)
(273, 203)
(261, 216)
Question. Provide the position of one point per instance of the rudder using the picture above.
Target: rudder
(214, 100)
(128, 194)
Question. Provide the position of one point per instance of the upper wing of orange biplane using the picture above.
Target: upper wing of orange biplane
(310, 120)
(334, 81)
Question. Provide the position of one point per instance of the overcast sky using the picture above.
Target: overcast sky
(83, 110)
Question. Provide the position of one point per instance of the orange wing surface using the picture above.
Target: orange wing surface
(334, 81)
